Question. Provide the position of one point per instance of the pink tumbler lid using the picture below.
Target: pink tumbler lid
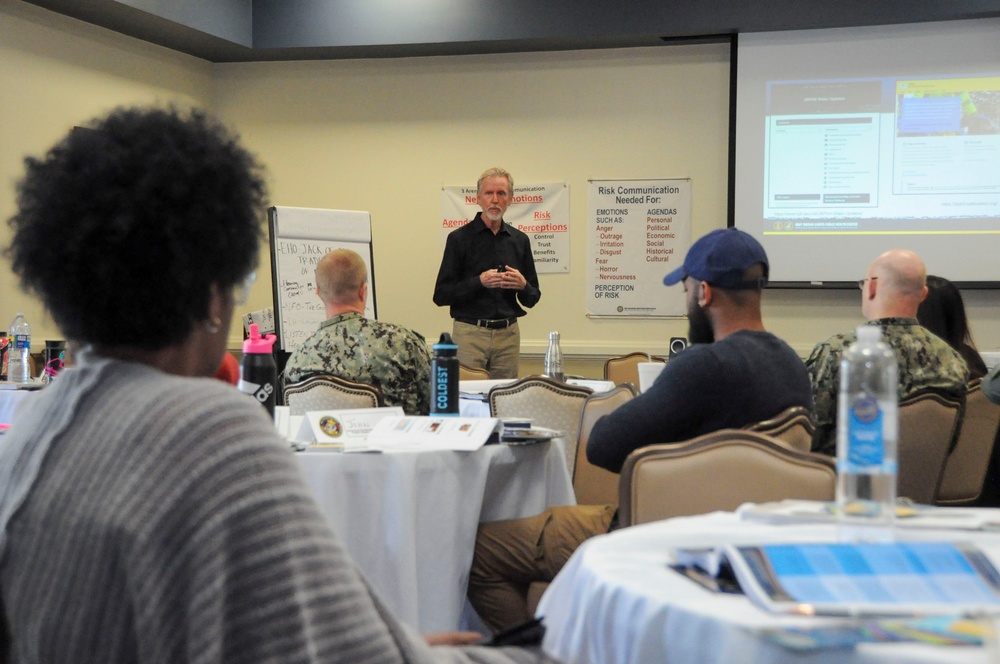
(256, 343)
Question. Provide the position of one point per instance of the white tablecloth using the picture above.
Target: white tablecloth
(617, 602)
(409, 519)
(10, 401)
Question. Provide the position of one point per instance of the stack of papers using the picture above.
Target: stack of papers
(907, 516)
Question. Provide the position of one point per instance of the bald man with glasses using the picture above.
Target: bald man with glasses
(891, 293)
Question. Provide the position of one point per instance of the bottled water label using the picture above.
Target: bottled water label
(22, 341)
(866, 446)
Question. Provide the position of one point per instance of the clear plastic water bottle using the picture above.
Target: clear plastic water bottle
(867, 432)
(444, 377)
(258, 372)
(19, 362)
(554, 358)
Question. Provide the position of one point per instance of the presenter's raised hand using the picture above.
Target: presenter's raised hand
(512, 279)
(492, 278)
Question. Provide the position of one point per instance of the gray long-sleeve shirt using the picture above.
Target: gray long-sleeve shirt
(150, 518)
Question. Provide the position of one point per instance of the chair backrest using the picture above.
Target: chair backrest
(965, 468)
(928, 423)
(592, 484)
(329, 392)
(472, 373)
(624, 368)
(547, 403)
(719, 471)
(793, 426)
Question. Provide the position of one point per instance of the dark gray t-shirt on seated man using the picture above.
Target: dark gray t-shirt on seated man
(746, 377)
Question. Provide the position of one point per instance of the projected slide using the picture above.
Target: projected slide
(852, 141)
(881, 154)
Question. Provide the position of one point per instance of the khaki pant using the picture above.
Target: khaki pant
(498, 351)
(511, 555)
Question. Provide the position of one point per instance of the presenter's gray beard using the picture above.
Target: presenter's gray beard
(699, 327)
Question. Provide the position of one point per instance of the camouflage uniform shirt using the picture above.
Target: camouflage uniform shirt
(368, 351)
(925, 360)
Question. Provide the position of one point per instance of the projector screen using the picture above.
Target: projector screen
(849, 142)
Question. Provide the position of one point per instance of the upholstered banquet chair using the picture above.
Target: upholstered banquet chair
(966, 466)
(928, 424)
(472, 373)
(625, 369)
(547, 403)
(592, 484)
(793, 426)
(718, 471)
(329, 392)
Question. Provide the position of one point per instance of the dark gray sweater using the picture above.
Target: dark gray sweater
(744, 378)
(167, 522)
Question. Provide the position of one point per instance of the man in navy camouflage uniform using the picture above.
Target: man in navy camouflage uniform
(892, 290)
(351, 346)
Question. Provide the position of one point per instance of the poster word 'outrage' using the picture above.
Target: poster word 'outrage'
(639, 230)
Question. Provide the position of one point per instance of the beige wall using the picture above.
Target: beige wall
(56, 72)
(385, 135)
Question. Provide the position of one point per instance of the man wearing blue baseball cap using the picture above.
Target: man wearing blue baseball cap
(735, 373)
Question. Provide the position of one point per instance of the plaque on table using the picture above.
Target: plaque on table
(343, 430)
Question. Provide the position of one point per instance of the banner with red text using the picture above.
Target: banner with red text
(539, 210)
(639, 230)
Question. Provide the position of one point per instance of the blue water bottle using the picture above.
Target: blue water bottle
(444, 377)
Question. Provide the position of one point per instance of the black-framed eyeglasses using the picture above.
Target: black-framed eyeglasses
(861, 282)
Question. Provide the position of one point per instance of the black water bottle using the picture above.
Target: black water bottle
(258, 372)
(444, 377)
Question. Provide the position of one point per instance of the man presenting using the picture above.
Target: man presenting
(734, 374)
(351, 346)
(891, 293)
(487, 274)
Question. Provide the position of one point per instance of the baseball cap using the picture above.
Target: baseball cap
(721, 258)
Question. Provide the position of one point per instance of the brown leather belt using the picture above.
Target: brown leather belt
(488, 324)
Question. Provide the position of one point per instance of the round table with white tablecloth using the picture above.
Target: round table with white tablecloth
(618, 602)
(409, 519)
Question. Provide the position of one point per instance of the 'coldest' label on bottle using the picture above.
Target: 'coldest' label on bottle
(441, 389)
(866, 447)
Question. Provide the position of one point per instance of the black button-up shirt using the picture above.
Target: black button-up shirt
(470, 251)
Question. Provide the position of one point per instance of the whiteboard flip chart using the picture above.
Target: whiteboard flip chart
(300, 237)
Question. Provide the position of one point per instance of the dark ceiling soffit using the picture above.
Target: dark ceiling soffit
(162, 32)
(157, 30)
(455, 48)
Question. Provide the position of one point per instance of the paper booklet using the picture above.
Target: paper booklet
(868, 579)
(432, 433)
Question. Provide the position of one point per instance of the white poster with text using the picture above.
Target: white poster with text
(541, 211)
(639, 230)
